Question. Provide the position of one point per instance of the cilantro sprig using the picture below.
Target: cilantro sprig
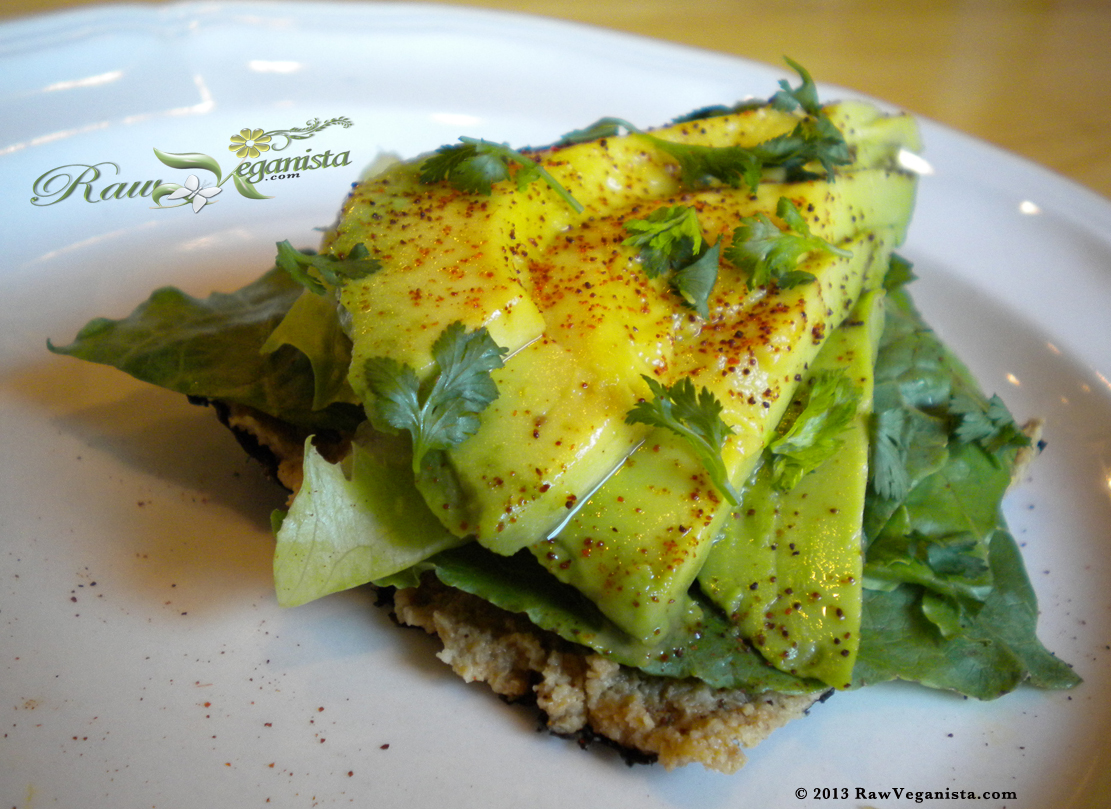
(669, 242)
(696, 417)
(767, 253)
(887, 454)
(805, 96)
(816, 431)
(335, 271)
(988, 423)
(814, 139)
(666, 238)
(474, 165)
(443, 411)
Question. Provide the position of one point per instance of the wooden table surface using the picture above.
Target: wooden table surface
(1031, 76)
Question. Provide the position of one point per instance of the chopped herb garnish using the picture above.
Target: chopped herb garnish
(900, 272)
(695, 281)
(474, 165)
(887, 454)
(334, 270)
(695, 417)
(826, 143)
(815, 139)
(602, 128)
(669, 241)
(804, 96)
(815, 433)
(666, 238)
(767, 253)
(988, 423)
(443, 411)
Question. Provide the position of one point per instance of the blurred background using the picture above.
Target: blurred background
(1031, 76)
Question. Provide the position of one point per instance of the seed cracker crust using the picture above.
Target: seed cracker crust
(580, 693)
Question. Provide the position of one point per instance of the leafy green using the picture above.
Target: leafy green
(827, 144)
(815, 139)
(815, 433)
(667, 238)
(888, 450)
(812, 140)
(442, 411)
(696, 417)
(705, 646)
(474, 165)
(910, 438)
(900, 272)
(988, 423)
(948, 603)
(334, 270)
(984, 655)
(354, 523)
(312, 326)
(211, 348)
(767, 253)
(669, 242)
(602, 128)
(804, 96)
(695, 281)
(940, 535)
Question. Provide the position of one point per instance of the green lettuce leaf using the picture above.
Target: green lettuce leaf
(706, 646)
(994, 651)
(948, 602)
(312, 326)
(935, 494)
(354, 523)
(211, 348)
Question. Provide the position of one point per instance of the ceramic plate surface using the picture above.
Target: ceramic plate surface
(143, 660)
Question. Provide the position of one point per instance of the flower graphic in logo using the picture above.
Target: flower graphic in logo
(192, 191)
(250, 143)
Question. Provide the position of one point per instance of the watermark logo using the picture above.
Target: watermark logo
(256, 150)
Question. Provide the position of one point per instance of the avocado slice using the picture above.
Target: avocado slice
(637, 545)
(787, 568)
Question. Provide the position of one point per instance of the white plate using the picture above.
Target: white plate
(143, 661)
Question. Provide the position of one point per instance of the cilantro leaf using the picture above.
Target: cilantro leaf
(815, 433)
(900, 272)
(887, 450)
(768, 254)
(666, 238)
(474, 165)
(670, 243)
(602, 128)
(717, 111)
(988, 423)
(700, 165)
(695, 281)
(804, 96)
(814, 139)
(334, 270)
(693, 416)
(443, 411)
